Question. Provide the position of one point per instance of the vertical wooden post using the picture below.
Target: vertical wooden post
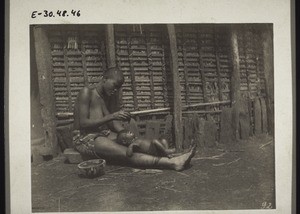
(267, 39)
(110, 46)
(111, 61)
(176, 88)
(44, 68)
(235, 81)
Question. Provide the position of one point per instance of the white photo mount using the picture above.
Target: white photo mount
(134, 11)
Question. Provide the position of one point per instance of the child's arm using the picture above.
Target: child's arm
(131, 149)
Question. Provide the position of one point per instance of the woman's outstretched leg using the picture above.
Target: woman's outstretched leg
(112, 151)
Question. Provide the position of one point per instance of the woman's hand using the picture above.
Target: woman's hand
(121, 115)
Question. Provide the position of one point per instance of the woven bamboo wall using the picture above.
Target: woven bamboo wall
(251, 67)
(204, 65)
(251, 62)
(142, 53)
(76, 63)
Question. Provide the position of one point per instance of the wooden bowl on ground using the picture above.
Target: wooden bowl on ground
(92, 168)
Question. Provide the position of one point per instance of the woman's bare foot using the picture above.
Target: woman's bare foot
(180, 162)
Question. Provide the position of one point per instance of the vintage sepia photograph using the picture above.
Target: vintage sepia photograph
(152, 117)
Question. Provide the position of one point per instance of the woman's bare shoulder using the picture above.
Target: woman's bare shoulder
(86, 91)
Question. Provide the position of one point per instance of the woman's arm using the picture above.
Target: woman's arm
(115, 125)
(84, 108)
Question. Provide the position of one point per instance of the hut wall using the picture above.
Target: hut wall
(142, 52)
(79, 59)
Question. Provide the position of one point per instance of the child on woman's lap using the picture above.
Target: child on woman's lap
(152, 147)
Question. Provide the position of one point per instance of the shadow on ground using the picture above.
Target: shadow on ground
(227, 177)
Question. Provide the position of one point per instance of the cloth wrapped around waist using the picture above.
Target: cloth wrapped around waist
(82, 137)
(84, 142)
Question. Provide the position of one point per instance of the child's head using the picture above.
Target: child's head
(125, 137)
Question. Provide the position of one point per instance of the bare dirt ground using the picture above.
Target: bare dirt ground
(239, 176)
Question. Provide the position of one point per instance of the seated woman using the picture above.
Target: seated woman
(152, 147)
(95, 127)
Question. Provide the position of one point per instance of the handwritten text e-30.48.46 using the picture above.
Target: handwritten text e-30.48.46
(58, 13)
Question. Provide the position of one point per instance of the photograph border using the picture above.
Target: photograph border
(126, 11)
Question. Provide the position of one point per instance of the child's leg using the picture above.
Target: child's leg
(165, 144)
(161, 148)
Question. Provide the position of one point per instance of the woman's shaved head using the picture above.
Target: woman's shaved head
(113, 79)
(114, 73)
